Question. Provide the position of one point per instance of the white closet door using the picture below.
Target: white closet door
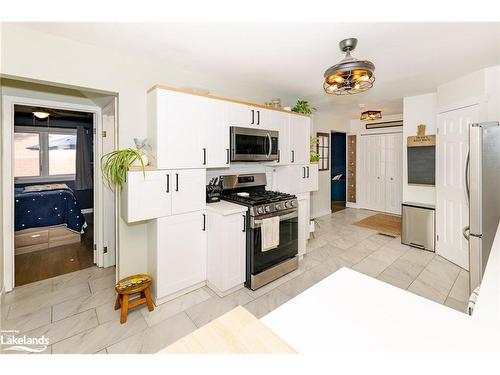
(376, 170)
(452, 212)
(393, 172)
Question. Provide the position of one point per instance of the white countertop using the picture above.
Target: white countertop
(351, 312)
(226, 208)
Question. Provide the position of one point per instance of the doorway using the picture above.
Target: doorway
(90, 238)
(53, 191)
(338, 171)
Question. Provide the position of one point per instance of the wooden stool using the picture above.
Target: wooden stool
(133, 285)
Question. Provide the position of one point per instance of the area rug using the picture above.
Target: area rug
(382, 223)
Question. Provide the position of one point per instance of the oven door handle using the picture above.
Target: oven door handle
(257, 223)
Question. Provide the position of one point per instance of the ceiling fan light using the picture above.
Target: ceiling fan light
(331, 88)
(41, 114)
(350, 74)
(370, 115)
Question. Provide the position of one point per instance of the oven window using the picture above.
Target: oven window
(287, 248)
(251, 144)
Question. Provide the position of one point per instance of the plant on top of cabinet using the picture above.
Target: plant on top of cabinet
(302, 106)
(115, 165)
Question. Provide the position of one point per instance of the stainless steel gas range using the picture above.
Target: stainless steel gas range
(249, 190)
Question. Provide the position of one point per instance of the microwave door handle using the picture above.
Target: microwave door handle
(270, 145)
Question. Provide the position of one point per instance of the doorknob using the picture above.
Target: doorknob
(392, 179)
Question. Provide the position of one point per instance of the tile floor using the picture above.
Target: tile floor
(76, 310)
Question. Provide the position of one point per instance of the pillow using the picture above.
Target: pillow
(35, 188)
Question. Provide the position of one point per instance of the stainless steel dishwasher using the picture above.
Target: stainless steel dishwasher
(419, 225)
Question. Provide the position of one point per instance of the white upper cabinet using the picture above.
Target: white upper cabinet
(246, 116)
(162, 193)
(175, 129)
(188, 190)
(299, 139)
(296, 179)
(146, 196)
(215, 134)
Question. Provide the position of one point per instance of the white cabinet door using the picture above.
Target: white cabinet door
(178, 118)
(226, 251)
(188, 190)
(304, 218)
(180, 252)
(312, 177)
(146, 196)
(372, 174)
(452, 212)
(215, 134)
(299, 139)
(281, 123)
(248, 117)
(393, 173)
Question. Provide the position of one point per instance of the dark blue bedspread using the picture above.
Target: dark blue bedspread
(47, 208)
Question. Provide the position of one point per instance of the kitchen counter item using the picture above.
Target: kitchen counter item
(418, 225)
(226, 208)
(235, 332)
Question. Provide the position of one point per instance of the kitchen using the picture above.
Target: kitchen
(221, 216)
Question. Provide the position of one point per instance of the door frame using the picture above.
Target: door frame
(8, 103)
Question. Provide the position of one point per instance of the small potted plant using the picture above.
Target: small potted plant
(313, 147)
(302, 106)
(115, 165)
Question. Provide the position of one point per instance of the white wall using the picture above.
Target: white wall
(418, 110)
(324, 122)
(1, 184)
(35, 55)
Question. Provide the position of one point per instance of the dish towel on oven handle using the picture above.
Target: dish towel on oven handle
(270, 231)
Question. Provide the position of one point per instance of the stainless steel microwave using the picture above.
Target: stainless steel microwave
(254, 144)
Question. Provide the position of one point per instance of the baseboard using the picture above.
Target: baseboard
(227, 292)
(159, 301)
(322, 213)
(88, 211)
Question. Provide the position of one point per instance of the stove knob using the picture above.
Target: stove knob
(268, 209)
(292, 204)
(260, 210)
(288, 204)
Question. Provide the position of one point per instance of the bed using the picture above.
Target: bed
(46, 216)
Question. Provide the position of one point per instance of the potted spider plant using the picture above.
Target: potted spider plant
(115, 165)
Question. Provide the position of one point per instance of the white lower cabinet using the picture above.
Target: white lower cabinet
(177, 255)
(162, 193)
(304, 218)
(226, 251)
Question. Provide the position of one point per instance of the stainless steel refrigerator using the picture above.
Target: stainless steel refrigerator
(483, 191)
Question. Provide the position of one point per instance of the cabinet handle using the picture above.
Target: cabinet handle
(244, 223)
(258, 117)
(253, 116)
(279, 156)
(307, 172)
(303, 172)
(204, 156)
(227, 156)
(204, 222)
(168, 183)
(177, 182)
(293, 156)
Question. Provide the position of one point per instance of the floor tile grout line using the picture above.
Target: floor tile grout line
(454, 282)
(423, 269)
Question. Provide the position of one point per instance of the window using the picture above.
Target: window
(323, 147)
(43, 154)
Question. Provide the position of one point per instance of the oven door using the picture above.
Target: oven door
(253, 144)
(287, 248)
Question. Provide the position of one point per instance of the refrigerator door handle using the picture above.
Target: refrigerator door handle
(465, 232)
(467, 186)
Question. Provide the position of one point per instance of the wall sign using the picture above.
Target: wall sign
(421, 157)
